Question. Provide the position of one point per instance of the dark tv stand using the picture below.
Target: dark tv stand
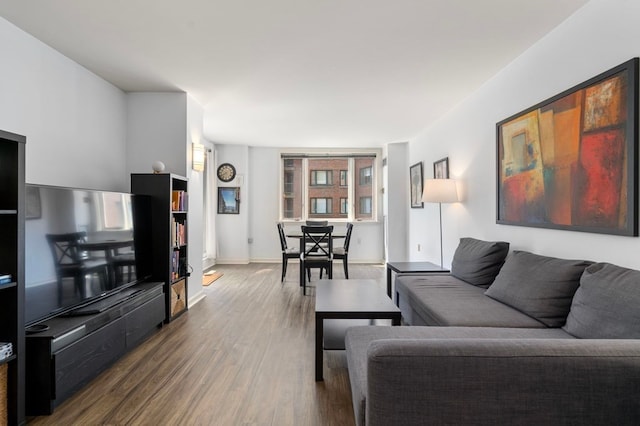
(75, 349)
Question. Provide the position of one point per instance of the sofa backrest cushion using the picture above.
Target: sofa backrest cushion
(540, 286)
(607, 304)
(478, 262)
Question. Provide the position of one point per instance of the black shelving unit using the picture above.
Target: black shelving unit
(167, 260)
(12, 188)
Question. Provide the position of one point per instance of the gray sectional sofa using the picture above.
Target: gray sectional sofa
(518, 339)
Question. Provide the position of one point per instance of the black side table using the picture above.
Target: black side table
(404, 267)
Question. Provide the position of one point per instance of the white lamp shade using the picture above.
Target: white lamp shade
(198, 157)
(440, 191)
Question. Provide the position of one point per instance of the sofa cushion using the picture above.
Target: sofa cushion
(445, 300)
(539, 286)
(478, 262)
(607, 304)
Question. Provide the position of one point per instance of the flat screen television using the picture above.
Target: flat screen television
(80, 246)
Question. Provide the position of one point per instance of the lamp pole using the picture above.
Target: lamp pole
(441, 257)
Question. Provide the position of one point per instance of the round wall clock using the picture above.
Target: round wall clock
(226, 172)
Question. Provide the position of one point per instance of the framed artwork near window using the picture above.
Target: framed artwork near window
(571, 161)
(229, 200)
(441, 169)
(415, 184)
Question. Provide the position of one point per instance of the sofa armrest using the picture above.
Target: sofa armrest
(491, 381)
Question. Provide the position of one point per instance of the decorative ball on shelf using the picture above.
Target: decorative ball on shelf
(158, 167)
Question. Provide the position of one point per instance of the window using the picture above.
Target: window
(365, 176)
(288, 182)
(321, 205)
(321, 177)
(343, 177)
(328, 187)
(288, 207)
(344, 206)
(365, 205)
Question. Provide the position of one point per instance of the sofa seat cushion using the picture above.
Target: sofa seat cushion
(539, 286)
(444, 300)
(607, 304)
(358, 339)
(478, 262)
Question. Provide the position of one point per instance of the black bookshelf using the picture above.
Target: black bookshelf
(167, 260)
(12, 173)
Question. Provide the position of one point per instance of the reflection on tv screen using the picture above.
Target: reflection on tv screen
(79, 246)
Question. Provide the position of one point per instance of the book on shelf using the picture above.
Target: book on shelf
(5, 279)
(179, 200)
(178, 233)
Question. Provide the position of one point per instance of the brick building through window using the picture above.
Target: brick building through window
(340, 187)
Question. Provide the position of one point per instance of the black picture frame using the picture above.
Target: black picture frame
(571, 162)
(229, 200)
(415, 185)
(441, 168)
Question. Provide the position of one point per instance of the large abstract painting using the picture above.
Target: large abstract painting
(571, 161)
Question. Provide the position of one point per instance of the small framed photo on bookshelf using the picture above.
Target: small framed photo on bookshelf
(229, 200)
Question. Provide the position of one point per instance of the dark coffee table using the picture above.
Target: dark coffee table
(404, 267)
(349, 299)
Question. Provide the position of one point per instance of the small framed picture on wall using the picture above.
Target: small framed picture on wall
(229, 200)
(415, 177)
(441, 169)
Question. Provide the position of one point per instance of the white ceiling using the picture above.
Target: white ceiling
(291, 73)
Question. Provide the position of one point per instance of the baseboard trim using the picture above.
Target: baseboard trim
(232, 261)
(354, 262)
(198, 297)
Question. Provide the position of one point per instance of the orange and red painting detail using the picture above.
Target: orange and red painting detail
(565, 164)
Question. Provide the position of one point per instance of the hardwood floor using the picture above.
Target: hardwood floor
(242, 356)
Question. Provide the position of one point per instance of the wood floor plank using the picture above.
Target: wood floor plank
(244, 355)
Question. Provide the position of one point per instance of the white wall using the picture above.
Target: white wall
(398, 201)
(156, 130)
(74, 121)
(232, 230)
(263, 204)
(601, 35)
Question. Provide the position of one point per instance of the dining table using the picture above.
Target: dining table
(300, 237)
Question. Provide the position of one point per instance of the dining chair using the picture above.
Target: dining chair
(317, 223)
(287, 252)
(317, 253)
(71, 262)
(123, 260)
(343, 252)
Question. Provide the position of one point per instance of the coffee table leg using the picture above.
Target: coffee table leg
(388, 281)
(319, 346)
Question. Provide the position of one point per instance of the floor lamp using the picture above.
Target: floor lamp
(440, 191)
